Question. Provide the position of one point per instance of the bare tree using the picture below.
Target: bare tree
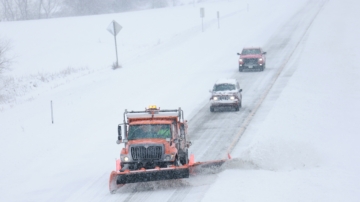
(39, 8)
(23, 7)
(49, 6)
(8, 9)
(4, 60)
(89, 7)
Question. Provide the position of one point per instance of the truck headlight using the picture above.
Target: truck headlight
(215, 98)
(232, 97)
(260, 59)
(124, 157)
(169, 157)
(240, 60)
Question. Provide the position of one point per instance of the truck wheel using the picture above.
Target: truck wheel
(184, 159)
(240, 69)
(237, 108)
(211, 109)
(177, 162)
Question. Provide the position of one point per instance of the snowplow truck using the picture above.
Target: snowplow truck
(155, 147)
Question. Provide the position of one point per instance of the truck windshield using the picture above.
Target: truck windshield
(149, 131)
(251, 51)
(223, 87)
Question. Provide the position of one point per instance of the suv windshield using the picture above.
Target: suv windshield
(224, 86)
(149, 131)
(250, 51)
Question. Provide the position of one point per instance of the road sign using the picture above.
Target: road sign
(114, 28)
(202, 12)
(202, 15)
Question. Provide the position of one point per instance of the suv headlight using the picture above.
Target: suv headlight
(260, 59)
(240, 60)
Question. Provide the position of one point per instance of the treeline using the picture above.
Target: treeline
(37, 9)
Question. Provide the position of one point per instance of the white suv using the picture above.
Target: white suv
(226, 93)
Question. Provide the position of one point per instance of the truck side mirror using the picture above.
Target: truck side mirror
(238, 54)
(264, 53)
(182, 131)
(240, 90)
(119, 133)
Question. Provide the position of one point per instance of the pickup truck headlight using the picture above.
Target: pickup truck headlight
(232, 97)
(260, 59)
(240, 60)
(215, 98)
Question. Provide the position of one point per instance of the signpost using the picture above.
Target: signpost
(52, 114)
(114, 28)
(202, 15)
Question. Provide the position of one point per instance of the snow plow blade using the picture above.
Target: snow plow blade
(118, 179)
(153, 175)
(206, 167)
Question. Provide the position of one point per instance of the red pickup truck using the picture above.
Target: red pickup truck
(252, 58)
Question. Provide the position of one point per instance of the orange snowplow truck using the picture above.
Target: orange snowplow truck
(156, 147)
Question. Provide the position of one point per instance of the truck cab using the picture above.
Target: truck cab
(153, 138)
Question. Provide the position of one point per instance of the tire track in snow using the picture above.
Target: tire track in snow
(265, 94)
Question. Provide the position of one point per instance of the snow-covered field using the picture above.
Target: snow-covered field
(302, 141)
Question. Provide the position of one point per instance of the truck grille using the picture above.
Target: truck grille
(223, 97)
(251, 60)
(146, 152)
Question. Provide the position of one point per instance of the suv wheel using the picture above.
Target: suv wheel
(237, 108)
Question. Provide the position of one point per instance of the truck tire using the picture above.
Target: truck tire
(240, 69)
(211, 109)
(237, 108)
(184, 159)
